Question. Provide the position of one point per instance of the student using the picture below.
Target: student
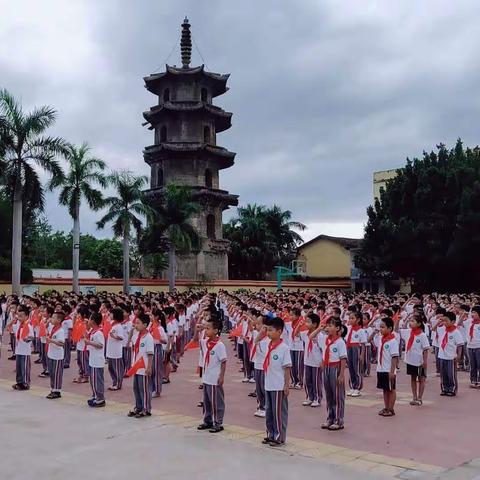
(143, 351)
(472, 328)
(157, 330)
(213, 376)
(79, 330)
(367, 360)
(45, 320)
(126, 344)
(416, 356)
(95, 343)
(297, 349)
(356, 340)
(276, 366)
(387, 361)
(313, 348)
(114, 351)
(23, 348)
(67, 326)
(450, 342)
(56, 354)
(258, 356)
(334, 364)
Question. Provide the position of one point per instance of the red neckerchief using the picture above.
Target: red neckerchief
(136, 347)
(353, 328)
(54, 330)
(472, 326)
(448, 330)
(310, 345)
(154, 330)
(272, 346)
(414, 332)
(87, 335)
(21, 333)
(385, 339)
(329, 341)
(295, 323)
(170, 319)
(210, 346)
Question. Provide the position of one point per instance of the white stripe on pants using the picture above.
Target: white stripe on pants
(276, 415)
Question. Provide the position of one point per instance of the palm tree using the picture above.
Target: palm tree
(174, 219)
(24, 144)
(84, 171)
(123, 210)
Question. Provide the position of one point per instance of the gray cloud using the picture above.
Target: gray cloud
(323, 93)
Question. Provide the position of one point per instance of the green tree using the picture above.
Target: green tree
(23, 144)
(125, 211)
(426, 225)
(84, 171)
(109, 253)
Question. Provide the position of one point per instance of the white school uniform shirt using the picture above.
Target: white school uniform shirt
(182, 321)
(296, 342)
(201, 350)
(218, 355)
(261, 351)
(161, 332)
(22, 347)
(127, 328)
(454, 339)
(114, 346)
(359, 337)
(286, 335)
(415, 355)
(56, 352)
(96, 356)
(67, 325)
(436, 335)
(313, 358)
(474, 340)
(338, 350)
(145, 348)
(368, 332)
(172, 329)
(390, 351)
(275, 374)
(461, 329)
(241, 340)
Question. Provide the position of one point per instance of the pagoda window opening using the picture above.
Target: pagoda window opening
(163, 134)
(166, 95)
(160, 177)
(208, 178)
(204, 95)
(211, 226)
(206, 134)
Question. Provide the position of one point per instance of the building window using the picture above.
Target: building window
(206, 134)
(204, 95)
(163, 134)
(208, 178)
(160, 177)
(166, 95)
(211, 226)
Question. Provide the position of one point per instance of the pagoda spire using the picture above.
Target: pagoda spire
(186, 44)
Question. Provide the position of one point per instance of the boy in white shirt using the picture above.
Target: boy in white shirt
(114, 351)
(95, 343)
(55, 353)
(297, 349)
(67, 326)
(23, 348)
(472, 328)
(277, 368)
(260, 348)
(213, 375)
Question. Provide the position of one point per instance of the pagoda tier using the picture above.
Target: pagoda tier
(219, 117)
(216, 82)
(186, 150)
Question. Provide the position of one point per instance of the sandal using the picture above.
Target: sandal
(335, 427)
(388, 413)
(382, 411)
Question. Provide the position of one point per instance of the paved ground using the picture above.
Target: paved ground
(441, 438)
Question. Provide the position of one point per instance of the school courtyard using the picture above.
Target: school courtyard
(66, 439)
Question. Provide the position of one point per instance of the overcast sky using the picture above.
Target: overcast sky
(323, 93)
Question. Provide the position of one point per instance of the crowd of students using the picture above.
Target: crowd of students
(283, 341)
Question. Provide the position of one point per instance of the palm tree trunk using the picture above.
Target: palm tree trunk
(17, 239)
(126, 261)
(76, 250)
(171, 268)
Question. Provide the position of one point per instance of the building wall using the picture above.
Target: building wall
(325, 258)
(380, 181)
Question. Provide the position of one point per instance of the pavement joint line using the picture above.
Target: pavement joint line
(356, 459)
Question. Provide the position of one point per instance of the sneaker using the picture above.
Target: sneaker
(97, 404)
(251, 380)
(349, 393)
(297, 386)
(315, 404)
(204, 426)
(216, 429)
(355, 393)
(307, 403)
(261, 413)
(246, 380)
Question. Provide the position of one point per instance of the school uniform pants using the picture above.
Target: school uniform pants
(143, 393)
(213, 405)
(13, 342)
(247, 364)
(437, 360)
(127, 358)
(474, 356)
(313, 383)
(55, 367)
(239, 349)
(276, 415)
(334, 395)
(82, 363)
(23, 369)
(366, 361)
(68, 352)
(448, 376)
(297, 366)
(43, 356)
(260, 388)
(36, 344)
(464, 357)
(157, 370)
(116, 370)
(353, 361)
(97, 382)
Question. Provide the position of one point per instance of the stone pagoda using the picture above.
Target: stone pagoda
(185, 152)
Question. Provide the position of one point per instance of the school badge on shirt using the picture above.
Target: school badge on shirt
(142, 344)
(275, 357)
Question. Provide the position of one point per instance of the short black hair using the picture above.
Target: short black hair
(117, 314)
(277, 323)
(96, 317)
(314, 318)
(451, 316)
(144, 318)
(388, 322)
